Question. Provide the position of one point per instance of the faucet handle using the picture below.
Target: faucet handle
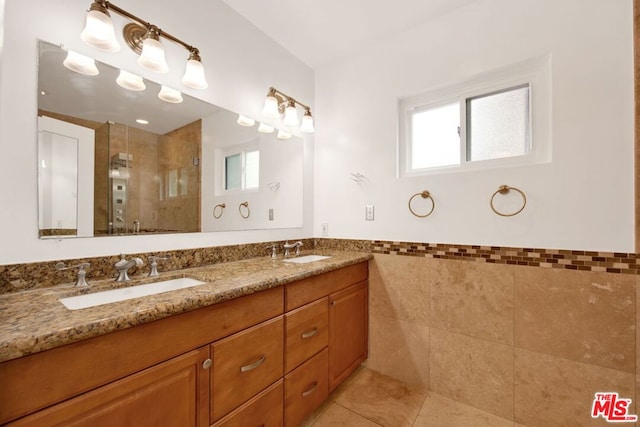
(274, 251)
(81, 281)
(154, 264)
(298, 244)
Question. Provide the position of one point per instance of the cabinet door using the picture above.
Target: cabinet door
(244, 364)
(174, 393)
(348, 332)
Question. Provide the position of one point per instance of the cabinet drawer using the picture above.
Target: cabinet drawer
(306, 388)
(307, 290)
(307, 332)
(245, 364)
(266, 410)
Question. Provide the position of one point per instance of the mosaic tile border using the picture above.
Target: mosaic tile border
(610, 262)
(21, 277)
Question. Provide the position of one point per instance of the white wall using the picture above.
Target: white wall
(583, 199)
(241, 63)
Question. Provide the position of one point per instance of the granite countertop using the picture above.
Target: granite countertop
(34, 321)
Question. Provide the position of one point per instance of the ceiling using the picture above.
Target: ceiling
(318, 32)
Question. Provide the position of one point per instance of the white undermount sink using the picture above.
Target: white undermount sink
(307, 258)
(122, 294)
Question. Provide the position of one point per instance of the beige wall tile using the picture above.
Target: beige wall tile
(473, 298)
(554, 391)
(383, 400)
(472, 371)
(583, 316)
(399, 288)
(399, 349)
(438, 411)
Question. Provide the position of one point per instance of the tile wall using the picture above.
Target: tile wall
(526, 343)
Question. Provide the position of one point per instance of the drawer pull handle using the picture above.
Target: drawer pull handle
(311, 390)
(308, 334)
(254, 365)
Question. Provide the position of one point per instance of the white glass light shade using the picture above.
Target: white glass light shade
(291, 116)
(130, 81)
(245, 121)
(98, 32)
(270, 109)
(152, 56)
(283, 134)
(80, 64)
(170, 95)
(265, 128)
(194, 75)
(307, 124)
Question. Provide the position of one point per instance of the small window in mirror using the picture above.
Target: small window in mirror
(242, 170)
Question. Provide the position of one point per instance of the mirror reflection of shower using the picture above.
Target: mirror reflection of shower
(119, 176)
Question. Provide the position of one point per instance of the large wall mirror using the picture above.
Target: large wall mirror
(116, 161)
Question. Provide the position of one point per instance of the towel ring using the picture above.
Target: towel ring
(247, 211)
(425, 195)
(221, 207)
(504, 189)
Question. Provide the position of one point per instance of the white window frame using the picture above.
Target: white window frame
(221, 155)
(536, 73)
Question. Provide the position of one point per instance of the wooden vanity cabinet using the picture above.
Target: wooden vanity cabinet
(267, 359)
(335, 304)
(168, 394)
(348, 332)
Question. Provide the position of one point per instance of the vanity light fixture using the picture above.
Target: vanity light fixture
(245, 121)
(265, 128)
(170, 95)
(278, 103)
(80, 64)
(130, 81)
(143, 38)
(142, 121)
(283, 134)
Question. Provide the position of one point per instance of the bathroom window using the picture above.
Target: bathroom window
(489, 122)
(242, 170)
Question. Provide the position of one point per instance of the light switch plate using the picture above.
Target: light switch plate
(369, 213)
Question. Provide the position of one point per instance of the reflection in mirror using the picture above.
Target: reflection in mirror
(149, 166)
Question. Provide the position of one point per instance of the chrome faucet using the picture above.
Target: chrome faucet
(123, 266)
(81, 282)
(154, 264)
(295, 246)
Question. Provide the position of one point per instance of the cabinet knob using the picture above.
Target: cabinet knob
(333, 303)
(206, 364)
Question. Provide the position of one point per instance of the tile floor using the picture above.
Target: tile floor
(369, 399)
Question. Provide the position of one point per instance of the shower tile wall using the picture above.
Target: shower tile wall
(529, 344)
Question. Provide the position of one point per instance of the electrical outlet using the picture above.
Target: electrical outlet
(271, 214)
(324, 229)
(369, 213)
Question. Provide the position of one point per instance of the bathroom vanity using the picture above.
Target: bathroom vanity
(268, 351)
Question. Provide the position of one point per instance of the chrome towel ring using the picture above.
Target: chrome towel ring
(425, 195)
(504, 189)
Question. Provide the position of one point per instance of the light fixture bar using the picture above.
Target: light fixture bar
(283, 97)
(110, 6)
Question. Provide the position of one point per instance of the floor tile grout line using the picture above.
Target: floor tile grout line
(355, 413)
